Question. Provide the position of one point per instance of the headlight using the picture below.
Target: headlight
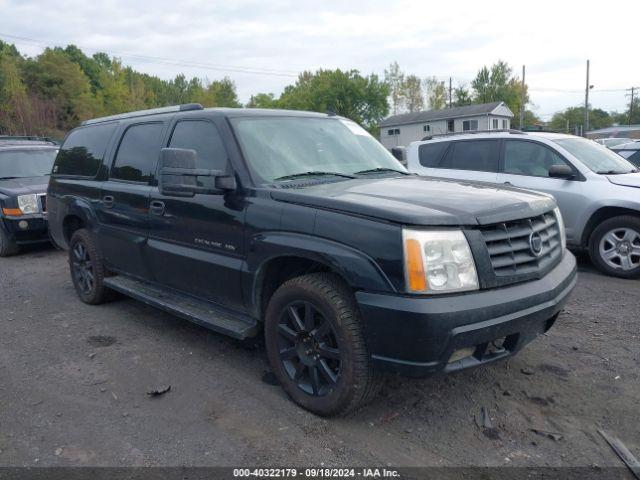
(563, 234)
(28, 204)
(438, 262)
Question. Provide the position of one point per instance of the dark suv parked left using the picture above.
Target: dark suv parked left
(25, 163)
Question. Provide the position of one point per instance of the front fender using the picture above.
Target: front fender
(356, 268)
(585, 223)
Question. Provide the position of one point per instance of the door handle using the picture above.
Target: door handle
(107, 201)
(157, 207)
(508, 183)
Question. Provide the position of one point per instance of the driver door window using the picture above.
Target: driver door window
(526, 165)
(203, 137)
(528, 158)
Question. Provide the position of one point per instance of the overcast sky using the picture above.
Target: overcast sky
(276, 39)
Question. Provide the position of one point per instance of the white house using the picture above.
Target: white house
(401, 130)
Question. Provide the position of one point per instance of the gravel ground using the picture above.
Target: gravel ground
(73, 383)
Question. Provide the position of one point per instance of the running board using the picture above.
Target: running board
(206, 314)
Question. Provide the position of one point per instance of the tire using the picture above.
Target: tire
(7, 247)
(316, 347)
(87, 268)
(614, 247)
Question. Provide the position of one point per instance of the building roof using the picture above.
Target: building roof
(447, 113)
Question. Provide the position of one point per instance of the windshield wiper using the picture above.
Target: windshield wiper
(312, 173)
(614, 172)
(8, 178)
(380, 169)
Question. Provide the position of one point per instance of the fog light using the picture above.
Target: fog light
(462, 353)
(23, 224)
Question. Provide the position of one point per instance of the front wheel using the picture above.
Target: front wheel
(316, 346)
(614, 247)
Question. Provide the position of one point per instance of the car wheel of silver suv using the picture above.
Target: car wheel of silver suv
(614, 247)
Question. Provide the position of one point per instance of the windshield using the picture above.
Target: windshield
(26, 163)
(281, 147)
(595, 157)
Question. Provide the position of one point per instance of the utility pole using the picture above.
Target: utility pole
(522, 105)
(450, 93)
(586, 104)
(632, 89)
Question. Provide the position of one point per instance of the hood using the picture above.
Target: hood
(414, 200)
(626, 179)
(24, 186)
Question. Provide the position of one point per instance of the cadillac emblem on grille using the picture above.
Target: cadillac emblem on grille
(535, 244)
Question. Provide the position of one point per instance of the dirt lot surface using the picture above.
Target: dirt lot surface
(74, 381)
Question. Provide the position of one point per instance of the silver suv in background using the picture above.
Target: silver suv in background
(597, 190)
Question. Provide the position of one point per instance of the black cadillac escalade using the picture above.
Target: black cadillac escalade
(302, 226)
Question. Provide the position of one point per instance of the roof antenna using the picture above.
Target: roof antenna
(331, 113)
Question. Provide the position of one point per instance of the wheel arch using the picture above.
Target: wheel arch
(276, 258)
(600, 215)
(78, 214)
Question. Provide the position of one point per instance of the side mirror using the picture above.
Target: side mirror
(400, 153)
(561, 171)
(179, 175)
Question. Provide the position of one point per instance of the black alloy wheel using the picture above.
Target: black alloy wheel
(87, 268)
(308, 348)
(82, 268)
(316, 345)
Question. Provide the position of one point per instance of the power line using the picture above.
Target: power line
(165, 60)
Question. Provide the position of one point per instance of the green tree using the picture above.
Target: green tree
(347, 93)
(114, 94)
(530, 120)
(436, 93)
(92, 68)
(14, 102)
(262, 100)
(414, 98)
(219, 93)
(53, 76)
(394, 77)
(462, 96)
(573, 117)
(631, 116)
(9, 49)
(498, 84)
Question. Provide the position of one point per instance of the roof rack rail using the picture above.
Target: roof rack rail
(142, 113)
(38, 138)
(473, 132)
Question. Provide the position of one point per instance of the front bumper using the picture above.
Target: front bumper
(417, 336)
(37, 229)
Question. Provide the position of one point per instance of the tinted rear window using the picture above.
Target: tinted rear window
(83, 151)
(430, 153)
(477, 155)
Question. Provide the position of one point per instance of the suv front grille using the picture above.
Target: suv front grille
(510, 245)
(43, 203)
